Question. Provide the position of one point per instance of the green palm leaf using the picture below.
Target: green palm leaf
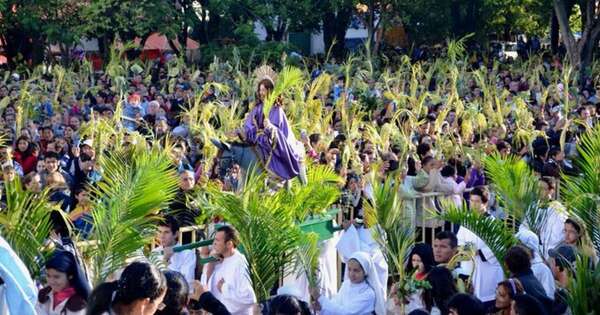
(392, 230)
(493, 232)
(25, 223)
(319, 193)
(266, 226)
(581, 192)
(517, 188)
(583, 296)
(135, 185)
(307, 258)
(288, 80)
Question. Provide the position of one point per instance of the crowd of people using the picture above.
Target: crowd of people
(46, 153)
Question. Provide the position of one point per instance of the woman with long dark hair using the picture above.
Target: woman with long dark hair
(67, 291)
(442, 289)
(420, 261)
(23, 154)
(139, 291)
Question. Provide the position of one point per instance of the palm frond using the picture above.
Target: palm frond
(288, 80)
(316, 196)
(517, 188)
(581, 192)
(266, 226)
(392, 229)
(307, 258)
(493, 232)
(25, 223)
(136, 185)
(583, 296)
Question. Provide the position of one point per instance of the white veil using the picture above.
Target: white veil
(372, 280)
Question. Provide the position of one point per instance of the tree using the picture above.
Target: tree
(21, 31)
(579, 51)
(336, 19)
(109, 19)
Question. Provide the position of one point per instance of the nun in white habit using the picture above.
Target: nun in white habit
(355, 239)
(361, 293)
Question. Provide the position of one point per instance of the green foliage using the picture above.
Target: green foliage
(136, 184)
(581, 192)
(307, 258)
(266, 227)
(267, 223)
(392, 229)
(25, 223)
(493, 232)
(583, 296)
(517, 188)
(289, 80)
(316, 196)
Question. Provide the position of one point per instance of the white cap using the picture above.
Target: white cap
(87, 142)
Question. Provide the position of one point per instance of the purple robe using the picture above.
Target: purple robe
(284, 161)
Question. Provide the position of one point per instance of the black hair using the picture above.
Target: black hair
(574, 224)
(64, 261)
(481, 192)
(51, 155)
(423, 149)
(426, 160)
(448, 235)
(448, 171)
(412, 168)
(285, 305)
(29, 145)
(268, 85)
(518, 259)
(314, 138)
(466, 304)
(231, 234)
(425, 252)
(139, 280)
(526, 304)
(442, 289)
(170, 222)
(177, 294)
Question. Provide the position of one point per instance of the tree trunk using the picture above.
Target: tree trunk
(579, 52)
(335, 25)
(554, 33)
(568, 39)
(455, 14)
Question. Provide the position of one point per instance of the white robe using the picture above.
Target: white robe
(19, 294)
(46, 308)
(552, 233)
(486, 273)
(236, 294)
(183, 262)
(353, 299)
(328, 274)
(355, 240)
(543, 273)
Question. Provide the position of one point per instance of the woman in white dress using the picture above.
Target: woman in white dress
(361, 293)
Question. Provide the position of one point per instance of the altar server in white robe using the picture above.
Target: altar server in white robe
(18, 294)
(487, 270)
(540, 270)
(361, 293)
(327, 272)
(228, 280)
(183, 262)
(355, 239)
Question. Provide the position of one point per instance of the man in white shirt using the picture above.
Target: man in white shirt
(228, 279)
(487, 270)
(183, 262)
